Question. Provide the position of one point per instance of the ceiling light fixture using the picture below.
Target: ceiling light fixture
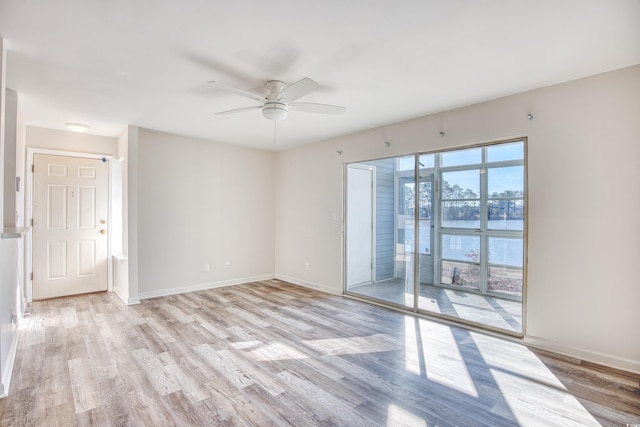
(77, 127)
(275, 110)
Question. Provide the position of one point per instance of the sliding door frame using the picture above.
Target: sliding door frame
(436, 250)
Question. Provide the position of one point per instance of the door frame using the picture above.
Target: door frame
(29, 211)
(432, 230)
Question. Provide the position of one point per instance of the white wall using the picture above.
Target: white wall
(583, 228)
(308, 195)
(201, 202)
(50, 139)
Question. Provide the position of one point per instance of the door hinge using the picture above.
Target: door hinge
(33, 168)
(32, 276)
(32, 222)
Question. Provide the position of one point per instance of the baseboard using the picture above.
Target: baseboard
(7, 369)
(125, 298)
(133, 301)
(586, 355)
(307, 284)
(202, 286)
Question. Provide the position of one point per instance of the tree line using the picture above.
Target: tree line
(507, 204)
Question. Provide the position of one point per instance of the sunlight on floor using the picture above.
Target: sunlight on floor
(528, 389)
(528, 400)
(431, 347)
(528, 396)
(411, 358)
(396, 416)
(442, 358)
(511, 357)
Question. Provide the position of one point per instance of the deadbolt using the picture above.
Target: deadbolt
(102, 221)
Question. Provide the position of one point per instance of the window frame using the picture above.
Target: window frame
(483, 230)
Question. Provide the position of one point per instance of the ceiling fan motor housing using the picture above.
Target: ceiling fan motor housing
(275, 110)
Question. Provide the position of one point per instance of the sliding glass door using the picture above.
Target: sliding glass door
(446, 233)
(389, 255)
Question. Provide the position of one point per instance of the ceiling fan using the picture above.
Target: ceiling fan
(282, 98)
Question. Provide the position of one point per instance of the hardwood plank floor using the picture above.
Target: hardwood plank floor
(273, 354)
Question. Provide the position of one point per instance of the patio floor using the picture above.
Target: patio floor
(487, 310)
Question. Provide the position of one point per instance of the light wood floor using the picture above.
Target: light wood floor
(270, 353)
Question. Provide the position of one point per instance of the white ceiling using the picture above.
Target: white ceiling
(146, 62)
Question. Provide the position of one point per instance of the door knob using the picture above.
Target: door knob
(102, 231)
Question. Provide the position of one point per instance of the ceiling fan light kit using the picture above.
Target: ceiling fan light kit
(275, 106)
(275, 110)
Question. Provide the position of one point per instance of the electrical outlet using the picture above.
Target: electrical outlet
(207, 267)
(227, 264)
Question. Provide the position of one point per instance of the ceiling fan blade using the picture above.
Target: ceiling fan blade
(298, 89)
(238, 91)
(239, 110)
(310, 107)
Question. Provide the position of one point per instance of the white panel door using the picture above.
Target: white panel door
(70, 243)
(360, 243)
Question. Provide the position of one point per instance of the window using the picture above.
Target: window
(461, 199)
(482, 218)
